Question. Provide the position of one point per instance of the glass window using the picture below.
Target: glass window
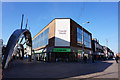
(87, 38)
(79, 36)
(41, 39)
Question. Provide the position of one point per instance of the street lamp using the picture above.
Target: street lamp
(83, 39)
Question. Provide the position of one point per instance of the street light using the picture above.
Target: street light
(83, 39)
(86, 22)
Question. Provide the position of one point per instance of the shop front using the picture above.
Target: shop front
(62, 55)
(87, 53)
(40, 55)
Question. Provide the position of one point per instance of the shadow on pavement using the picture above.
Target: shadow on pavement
(60, 70)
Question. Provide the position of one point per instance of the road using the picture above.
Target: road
(62, 70)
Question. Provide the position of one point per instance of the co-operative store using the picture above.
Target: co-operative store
(62, 40)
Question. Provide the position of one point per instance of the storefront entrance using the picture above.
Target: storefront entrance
(64, 57)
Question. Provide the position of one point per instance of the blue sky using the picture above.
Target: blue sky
(103, 18)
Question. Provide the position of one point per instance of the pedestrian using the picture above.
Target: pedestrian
(116, 58)
(93, 59)
(85, 59)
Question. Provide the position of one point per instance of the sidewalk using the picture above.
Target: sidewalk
(62, 70)
(110, 72)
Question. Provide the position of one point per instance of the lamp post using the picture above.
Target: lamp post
(83, 39)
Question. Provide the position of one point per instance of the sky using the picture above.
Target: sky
(103, 18)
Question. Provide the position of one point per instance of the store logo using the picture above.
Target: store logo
(62, 31)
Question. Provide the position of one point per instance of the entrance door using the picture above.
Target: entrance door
(61, 57)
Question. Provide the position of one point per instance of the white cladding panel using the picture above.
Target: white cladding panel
(62, 32)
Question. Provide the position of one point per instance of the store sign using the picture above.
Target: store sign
(38, 51)
(62, 32)
(61, 50)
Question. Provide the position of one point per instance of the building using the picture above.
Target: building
(1, 45)
(98, 50)
(101, 52)
(118, 55)
(109, 54)
(61, 40)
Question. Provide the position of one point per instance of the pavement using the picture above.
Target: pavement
(109, 72)
(62, 70)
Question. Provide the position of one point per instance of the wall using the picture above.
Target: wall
(52, 33)
(51, 27)
(73, 34)
(62, 32)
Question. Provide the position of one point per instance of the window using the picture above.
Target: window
(79, 36)
(41, 39)
(87, 38)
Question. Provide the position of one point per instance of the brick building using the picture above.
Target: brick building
(98, 49)
(62, 40)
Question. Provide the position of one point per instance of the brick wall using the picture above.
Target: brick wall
(73, 34)
(52, 33)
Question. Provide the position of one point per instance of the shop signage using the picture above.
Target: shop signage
(62, 31)
(61, 50)
(38, 51)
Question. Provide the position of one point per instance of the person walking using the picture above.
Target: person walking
(116, 58)
(85, 59)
